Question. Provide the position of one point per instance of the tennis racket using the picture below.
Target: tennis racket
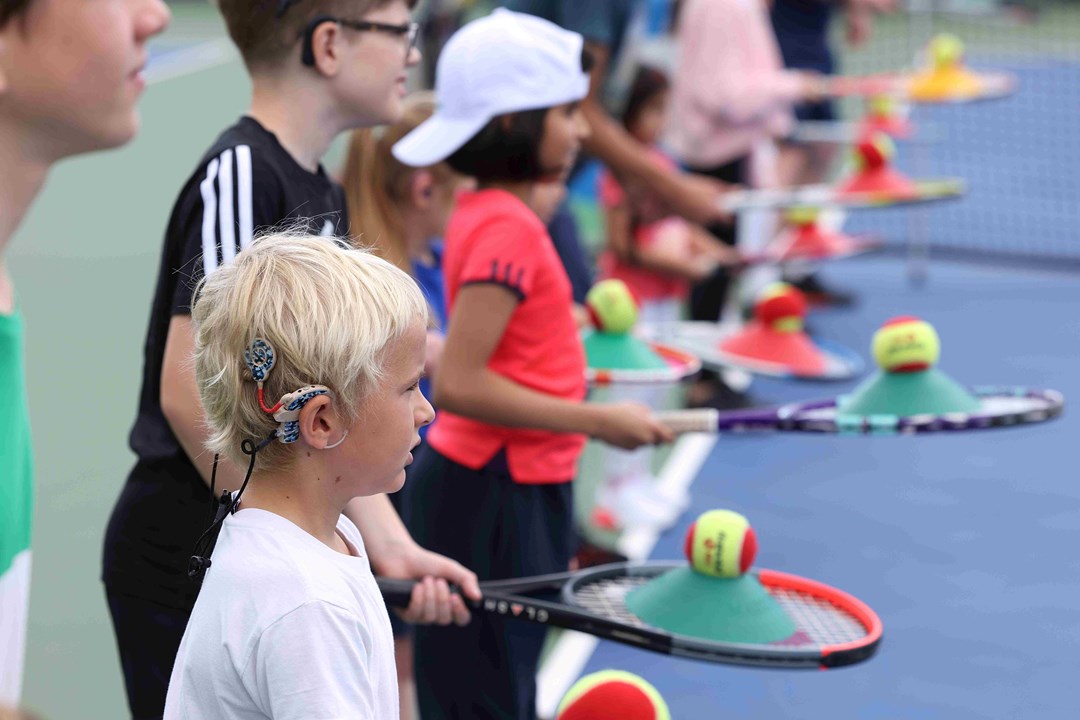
(1000, 407)
(703, 340)
(678, 365)
(926, 191)
(833, 628)
(785, 253)
(992, 86)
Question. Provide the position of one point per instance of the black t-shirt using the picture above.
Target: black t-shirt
(247, 182)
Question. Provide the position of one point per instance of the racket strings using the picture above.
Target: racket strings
(822, 622)
(819, 623)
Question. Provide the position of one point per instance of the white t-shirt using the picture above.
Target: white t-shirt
(285, 627)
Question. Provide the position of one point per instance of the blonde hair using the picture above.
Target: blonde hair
(328, 310)
(377, 185)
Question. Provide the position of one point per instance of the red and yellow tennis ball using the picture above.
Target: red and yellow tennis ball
(906, 344)
(881, 106)
(611, 306)
(945, 50)
(781, 307)
(874, 151)
(802, 215)
(611, 694)
(721, 543)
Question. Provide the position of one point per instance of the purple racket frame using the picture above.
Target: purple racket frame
(1022, 406)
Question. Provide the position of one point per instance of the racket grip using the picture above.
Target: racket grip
(680, 422)
(398, 593)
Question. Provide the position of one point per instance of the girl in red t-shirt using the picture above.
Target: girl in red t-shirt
(492, 487)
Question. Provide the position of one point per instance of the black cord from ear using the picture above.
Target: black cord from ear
(220, 509)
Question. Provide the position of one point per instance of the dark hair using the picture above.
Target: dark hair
(648, 83)
(266, 31)
(10, 9)
(508, 147)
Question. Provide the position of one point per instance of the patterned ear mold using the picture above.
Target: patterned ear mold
(259, 358)
(289, 414)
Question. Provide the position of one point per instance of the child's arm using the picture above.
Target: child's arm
(670, 259)
(723, 63)
(466, 386)
(618, 219)
(695, 197)
(395, 554)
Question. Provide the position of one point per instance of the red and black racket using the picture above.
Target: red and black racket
(833, 628)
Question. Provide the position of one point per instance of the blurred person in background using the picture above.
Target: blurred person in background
(70, 78)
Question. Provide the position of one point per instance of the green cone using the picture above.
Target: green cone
(687, 602)
(928, 392)
(620, 351)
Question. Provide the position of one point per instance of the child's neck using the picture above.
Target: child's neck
(304, 497)
(298, 116)
(417, 240)
(20, 182)
(522, 190)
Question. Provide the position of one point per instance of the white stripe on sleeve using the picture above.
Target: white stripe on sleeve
(225, 204)
(243, 195)
(209, 238)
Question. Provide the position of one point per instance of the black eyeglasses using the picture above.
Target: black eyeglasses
(409, 31)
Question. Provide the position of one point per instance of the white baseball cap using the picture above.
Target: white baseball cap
(502, 63)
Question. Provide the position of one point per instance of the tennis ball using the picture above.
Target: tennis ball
(781, 307)
(802, 215)
(611, 306)
(906, 344)
(882, 106)
(721, 543)
(611, 694)
(874, 151)
(946, 49)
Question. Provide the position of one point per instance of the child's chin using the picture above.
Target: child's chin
(397, 483)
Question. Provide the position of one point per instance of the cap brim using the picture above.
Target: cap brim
(436, 139)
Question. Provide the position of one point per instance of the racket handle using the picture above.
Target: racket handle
(398, 593)
(680, 422)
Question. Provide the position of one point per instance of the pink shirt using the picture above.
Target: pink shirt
(730, 89)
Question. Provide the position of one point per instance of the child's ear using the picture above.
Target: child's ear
(325, 48)
(422, 188)
(320, 424)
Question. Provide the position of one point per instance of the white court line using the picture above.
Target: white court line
(190, 60)
(571, 653)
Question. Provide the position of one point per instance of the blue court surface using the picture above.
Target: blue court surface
(965, 544)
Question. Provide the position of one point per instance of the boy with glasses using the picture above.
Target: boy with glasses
(318, 68)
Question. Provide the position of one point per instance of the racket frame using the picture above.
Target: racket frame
(679, 366)
(503, 598)
(693, 336)
(793, 417)
(927, 191)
